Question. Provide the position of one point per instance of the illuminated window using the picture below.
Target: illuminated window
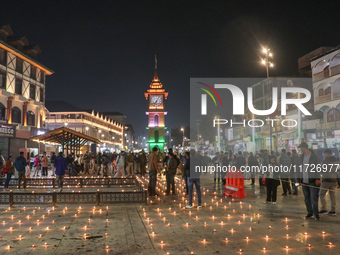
(16, 115)
(156, 121)
(30, 118)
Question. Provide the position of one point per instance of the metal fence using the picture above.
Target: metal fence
(71, 181)
(95, 197)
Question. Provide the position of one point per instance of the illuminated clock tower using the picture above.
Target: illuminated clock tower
(156, 96)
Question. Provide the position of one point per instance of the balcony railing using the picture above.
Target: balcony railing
(321, 75)
(326, 73)
(328, 125)
(322, 99)
(335, 70)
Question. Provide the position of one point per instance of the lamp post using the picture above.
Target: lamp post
(182, 129)
(268, 64)
(218, 135)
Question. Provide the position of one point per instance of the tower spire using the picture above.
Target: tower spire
(155, 77)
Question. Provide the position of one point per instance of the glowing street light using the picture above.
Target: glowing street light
(265, 61)
(182, 129)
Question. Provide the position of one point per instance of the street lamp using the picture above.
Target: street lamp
(268, 64)
(182, 129)
(218, 134)
(265, 61)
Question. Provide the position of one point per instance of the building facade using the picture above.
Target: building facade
(22, 97)
(88, 122)
(326, 90)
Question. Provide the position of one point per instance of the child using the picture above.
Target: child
(37, 166)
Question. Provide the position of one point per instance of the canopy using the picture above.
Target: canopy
(69, 139)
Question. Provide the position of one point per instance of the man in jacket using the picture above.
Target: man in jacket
(240, 160)
(153, 166)
(120, 164)
(253, 163)
(20, 163)
(87, 160)
(129, 164)
(142, 162)
(285, 162)
(60, 168)
(295, 164)
(191, 162)
(170, 174)
(329, 181)
(264, 162)
(216, 162)
(53, 160)
(99, 162)
(310, 180)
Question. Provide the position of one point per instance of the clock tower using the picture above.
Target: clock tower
(156, 96)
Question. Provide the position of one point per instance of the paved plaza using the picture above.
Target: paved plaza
(222, 226)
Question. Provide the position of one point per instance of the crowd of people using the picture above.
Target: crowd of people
(314, 184)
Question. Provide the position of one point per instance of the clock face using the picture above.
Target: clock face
(156, 100)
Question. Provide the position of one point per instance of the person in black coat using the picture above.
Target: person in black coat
(272, 181)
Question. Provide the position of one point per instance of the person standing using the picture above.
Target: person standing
(99, 162)
(129, 166)
(153, 166)
(120, 164)
(310, 181)
(87, 160)
(216, 162)
(264, 162)
(2, 160)
(285, 162)
(37, 165)
(295, 164)
(193, 161)
(81, 163)
(60, 168)
(272, 181)
(53, 160)
(329, 182)
(142, 162)
(20, 164)
(44, 163)
(9, 171)
(170, 174)
(253, 163)
(240, 160)
(186, 171)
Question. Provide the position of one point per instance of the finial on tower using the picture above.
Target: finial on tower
(155, 77)
(155, 61)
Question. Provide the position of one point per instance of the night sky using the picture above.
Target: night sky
(102, 52)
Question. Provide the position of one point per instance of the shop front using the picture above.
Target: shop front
(314, 141)
(291, 140)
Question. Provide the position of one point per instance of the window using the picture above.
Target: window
(328, 90)
(3, 57)
(30, 118)
(42, 77)
(42, 95)
(156, 133)
(18, 86)
(321, 92)
(333, 115)
(16, 115)
(32, 91)
(2, 111)
(2, 79)
(19, 65)
(156, 121)
(33, 72)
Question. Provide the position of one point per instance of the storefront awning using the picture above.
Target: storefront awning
(67, 138)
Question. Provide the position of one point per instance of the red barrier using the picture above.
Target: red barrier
(234, 185)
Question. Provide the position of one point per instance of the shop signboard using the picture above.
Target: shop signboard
(7, 130)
